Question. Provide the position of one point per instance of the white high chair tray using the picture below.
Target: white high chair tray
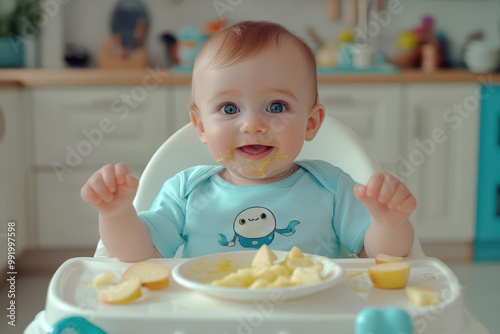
(177, 309)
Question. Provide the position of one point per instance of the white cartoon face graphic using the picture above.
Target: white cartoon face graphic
(255, 222)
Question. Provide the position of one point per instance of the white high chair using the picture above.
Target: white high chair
(335, 143)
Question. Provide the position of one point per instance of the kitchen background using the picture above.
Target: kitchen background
(85, 23)
(59, 226)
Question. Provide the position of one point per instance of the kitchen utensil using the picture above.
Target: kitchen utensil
(333, 9)
(430, 56)
(125, 47)
(482, 56)
(130, 17)
(363, 56)
(171, 48)
(378, 5)
(352, 12)
(315, 37)
(76, 56)
(363, 19)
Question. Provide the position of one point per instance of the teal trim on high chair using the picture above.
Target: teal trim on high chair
(391, 320)
(75, 325)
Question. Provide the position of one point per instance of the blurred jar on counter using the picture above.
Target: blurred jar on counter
(408, 54)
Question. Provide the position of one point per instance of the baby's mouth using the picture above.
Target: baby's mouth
(254, 152)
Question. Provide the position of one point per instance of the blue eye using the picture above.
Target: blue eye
(229, 109)
(276, 108)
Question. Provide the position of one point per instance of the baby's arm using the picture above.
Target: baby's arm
(390, 204)
(111, 191)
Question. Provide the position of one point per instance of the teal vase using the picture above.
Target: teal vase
(11, 52)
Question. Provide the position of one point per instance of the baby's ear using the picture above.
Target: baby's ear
(316, 117)
(195, 116)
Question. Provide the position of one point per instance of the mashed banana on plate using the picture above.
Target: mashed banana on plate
(295, 269)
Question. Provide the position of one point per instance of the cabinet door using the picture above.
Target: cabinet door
(13, 171)
(373, 112)
(95, 125)
(77, 130)
(440, 163)
(64, 219)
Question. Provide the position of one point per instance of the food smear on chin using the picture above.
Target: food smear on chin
(260, 166)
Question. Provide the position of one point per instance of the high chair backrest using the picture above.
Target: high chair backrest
(335, 143)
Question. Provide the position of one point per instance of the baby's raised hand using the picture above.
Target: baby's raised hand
(111, 189)
(386, 198)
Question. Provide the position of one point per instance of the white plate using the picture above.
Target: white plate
(195, 274)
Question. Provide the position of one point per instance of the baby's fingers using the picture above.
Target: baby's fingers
(98, 185)
(374, 184)
(131, 181)
(409, 204)
(121, 171)
(89, 195)
(360, 192)
(388, 188)
(399, 195)
(109, 177)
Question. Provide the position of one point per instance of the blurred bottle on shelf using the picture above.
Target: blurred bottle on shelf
(431, 59)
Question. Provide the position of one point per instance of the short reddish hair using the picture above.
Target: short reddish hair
(244, 40)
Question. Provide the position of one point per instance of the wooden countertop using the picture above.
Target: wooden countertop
(164, 77)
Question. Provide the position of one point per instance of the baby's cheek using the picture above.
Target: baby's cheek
(219, 149)
(290, 148)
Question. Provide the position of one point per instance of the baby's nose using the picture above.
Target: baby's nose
(253, 123)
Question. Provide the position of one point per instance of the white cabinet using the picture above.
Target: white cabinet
(86, 126)
(440, 162)
(77, 131)
(13, 171)
(373, 112)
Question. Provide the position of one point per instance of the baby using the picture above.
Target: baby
(254, 103)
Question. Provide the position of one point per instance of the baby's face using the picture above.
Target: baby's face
(254, 114)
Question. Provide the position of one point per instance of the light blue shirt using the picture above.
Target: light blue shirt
(314, 209)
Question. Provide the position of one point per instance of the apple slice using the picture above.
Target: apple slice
(295, 253)
(263, 257)
(384, 258)
(121, 293)
(423, 296)
(106, 278)
(389, 275)
(306, 275)
(152, 275)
